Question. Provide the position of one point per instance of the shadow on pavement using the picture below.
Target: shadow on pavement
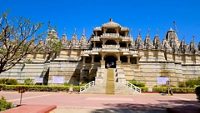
(182, 106)
(165, 106)
(131, 108)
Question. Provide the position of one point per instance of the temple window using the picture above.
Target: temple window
(97, 58)
(122, 44)
(98, 44)
(133, 60)
(124, 59)
(110, 30)
(122, 33)
(88, 60)
(99, 33)
(110, 42)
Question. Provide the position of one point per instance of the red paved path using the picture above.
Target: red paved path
(65, 100)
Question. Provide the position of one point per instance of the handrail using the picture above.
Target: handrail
(86, 86)
(131, 86)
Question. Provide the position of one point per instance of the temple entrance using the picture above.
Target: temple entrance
(110, 61)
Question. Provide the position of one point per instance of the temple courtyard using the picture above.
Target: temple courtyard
(101, 103)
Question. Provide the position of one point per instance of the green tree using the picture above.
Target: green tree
(17, 40)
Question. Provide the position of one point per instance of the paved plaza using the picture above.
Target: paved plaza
(100, 103)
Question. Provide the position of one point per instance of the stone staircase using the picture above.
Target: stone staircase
(110, 81)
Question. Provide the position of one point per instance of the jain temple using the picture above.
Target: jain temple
(111, 57)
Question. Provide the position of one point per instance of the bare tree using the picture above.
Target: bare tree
(17, 39)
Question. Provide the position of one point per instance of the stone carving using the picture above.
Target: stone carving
(74, 41)
(156, 43)
(83, 41)
(138, 42)
(147, 43)
(192, 47)
(166, 46)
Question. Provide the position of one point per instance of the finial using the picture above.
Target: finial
(139, 32)
(157, 31)
(111, 20)
(74, 31)
(130, 31)
(49, 25)
(148, 31)
(183, 38)
(170, 29)
(83, 32)
(174, 26)
(64, 30)
(193, 38)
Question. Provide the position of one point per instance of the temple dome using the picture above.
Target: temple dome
(111, 24)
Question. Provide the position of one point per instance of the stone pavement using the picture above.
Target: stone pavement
(100, 103)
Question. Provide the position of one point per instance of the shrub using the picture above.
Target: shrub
(4, 104)
(76, 88)
(28, 81)
(2, 86)
(8, 81)
(160, 89)
(181, 84)
(174, 89)
(137, 83)
(41, 88)
(192, 82)
(197, 91)
(144, 89)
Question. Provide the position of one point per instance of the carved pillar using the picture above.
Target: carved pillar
(128, 59)
(104, 30)
(127, 45)
(102, 61)
(94, 44)
(92, 59)
(117, 42)
(118, 61)
(126, 33)
(117, 30)
(95, 33)
(83, 60)
(104, 41)
(118, 57)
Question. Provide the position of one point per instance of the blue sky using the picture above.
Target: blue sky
(138, 15)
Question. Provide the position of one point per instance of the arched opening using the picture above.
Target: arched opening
(124, 59)
(110, 42)
(110, 61)
(109, 30)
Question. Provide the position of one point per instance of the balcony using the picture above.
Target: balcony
(96, 49)
(86, 53)
(124, 49)
(96, 38)
(110, 35)
(110, 48)
(126, 38)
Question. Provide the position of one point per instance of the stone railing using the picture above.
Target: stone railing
(133, 87)
(87, 51)
(112, 35)
(96, 49)
(110, 46)
(96, 38)
(125, 38)
(124, 49)
(86, 86)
